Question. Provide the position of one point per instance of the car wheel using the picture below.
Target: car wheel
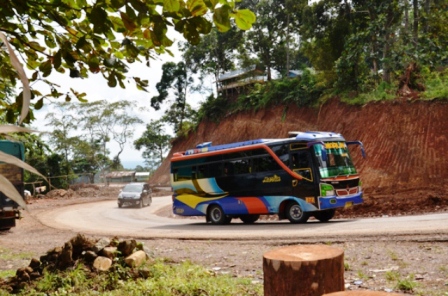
(120, 204)
(140, 204)
(295, 214)
(149, 200)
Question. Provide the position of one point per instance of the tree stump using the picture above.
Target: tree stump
(307, 270)
(362, 293)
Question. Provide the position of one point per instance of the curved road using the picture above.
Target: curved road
(105, 218)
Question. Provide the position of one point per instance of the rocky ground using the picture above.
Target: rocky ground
(414, 265)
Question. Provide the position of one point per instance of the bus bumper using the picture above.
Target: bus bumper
(333, 202)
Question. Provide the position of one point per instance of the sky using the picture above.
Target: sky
(96, 88)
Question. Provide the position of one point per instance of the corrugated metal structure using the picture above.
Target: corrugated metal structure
(120, 177)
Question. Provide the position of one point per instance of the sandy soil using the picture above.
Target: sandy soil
(374, 263)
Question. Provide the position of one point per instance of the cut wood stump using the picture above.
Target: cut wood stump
(362, 293)
(305, 270)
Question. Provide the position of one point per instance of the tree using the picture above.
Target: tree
(105, 121)
(215, 54)
(271, 33)
(174, 77)
(155, 142)
(86, 37)
(62, 137)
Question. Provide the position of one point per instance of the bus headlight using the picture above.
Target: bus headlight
(326, 190)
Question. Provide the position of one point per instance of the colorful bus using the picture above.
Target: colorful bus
(307, 174)
(9, 209)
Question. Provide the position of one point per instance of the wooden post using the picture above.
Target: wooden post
(362, 293)
(305, 270)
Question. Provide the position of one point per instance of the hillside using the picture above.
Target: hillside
(406, 144)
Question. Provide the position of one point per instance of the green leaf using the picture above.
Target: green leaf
(98, 17)
(171, 5)
(221, 18)
(39, 104)
(57, 59)
(244, 19)
(117, 3)
(112, 82)
(128, 22)
(45, 68)
(197, 7)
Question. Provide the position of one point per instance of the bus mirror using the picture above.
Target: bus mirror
(363, 151)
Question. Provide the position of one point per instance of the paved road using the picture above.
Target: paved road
(105, 218)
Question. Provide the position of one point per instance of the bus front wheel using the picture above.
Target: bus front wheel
(216, 216)
(324, 216)
(295, 214)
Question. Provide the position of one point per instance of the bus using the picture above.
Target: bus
(308, 174)
(9, 209)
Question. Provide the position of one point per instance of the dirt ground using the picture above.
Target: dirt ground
(414, 265)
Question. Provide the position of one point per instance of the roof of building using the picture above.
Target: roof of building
(120, 174)
(237, 73)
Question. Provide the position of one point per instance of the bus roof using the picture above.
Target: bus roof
(307, 136)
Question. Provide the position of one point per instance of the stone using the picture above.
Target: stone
(127, 247)
(101, 244)
(90, 256)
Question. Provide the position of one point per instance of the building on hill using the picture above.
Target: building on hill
(234, 83)
(120, 177)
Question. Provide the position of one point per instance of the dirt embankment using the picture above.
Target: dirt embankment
(406, 144)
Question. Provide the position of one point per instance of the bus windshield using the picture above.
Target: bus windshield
(338, 161)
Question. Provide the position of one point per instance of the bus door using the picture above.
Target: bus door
(307, 188)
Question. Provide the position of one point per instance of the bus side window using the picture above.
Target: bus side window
(241, 166)
(301, 165)
(282, 153)
(264, 164)
(214, 170)
(228, 169)
(185, 173)
(201, 172)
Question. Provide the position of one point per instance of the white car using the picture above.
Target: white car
(135, 194)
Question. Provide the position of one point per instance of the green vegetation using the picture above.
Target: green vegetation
(157, 278)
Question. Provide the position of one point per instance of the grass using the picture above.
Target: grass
(436, 85)
(156, 278)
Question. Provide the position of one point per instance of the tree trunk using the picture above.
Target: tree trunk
(415, 27)
(307, 270)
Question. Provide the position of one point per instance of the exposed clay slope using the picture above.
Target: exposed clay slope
(406, 145)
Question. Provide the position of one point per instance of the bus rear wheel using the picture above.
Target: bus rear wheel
(324, 216)
(249, 219)
(295, 214)
(216, 216)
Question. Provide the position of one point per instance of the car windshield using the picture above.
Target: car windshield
(338, 160)
(133, 188)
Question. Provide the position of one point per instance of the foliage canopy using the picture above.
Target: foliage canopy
(80, 37)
